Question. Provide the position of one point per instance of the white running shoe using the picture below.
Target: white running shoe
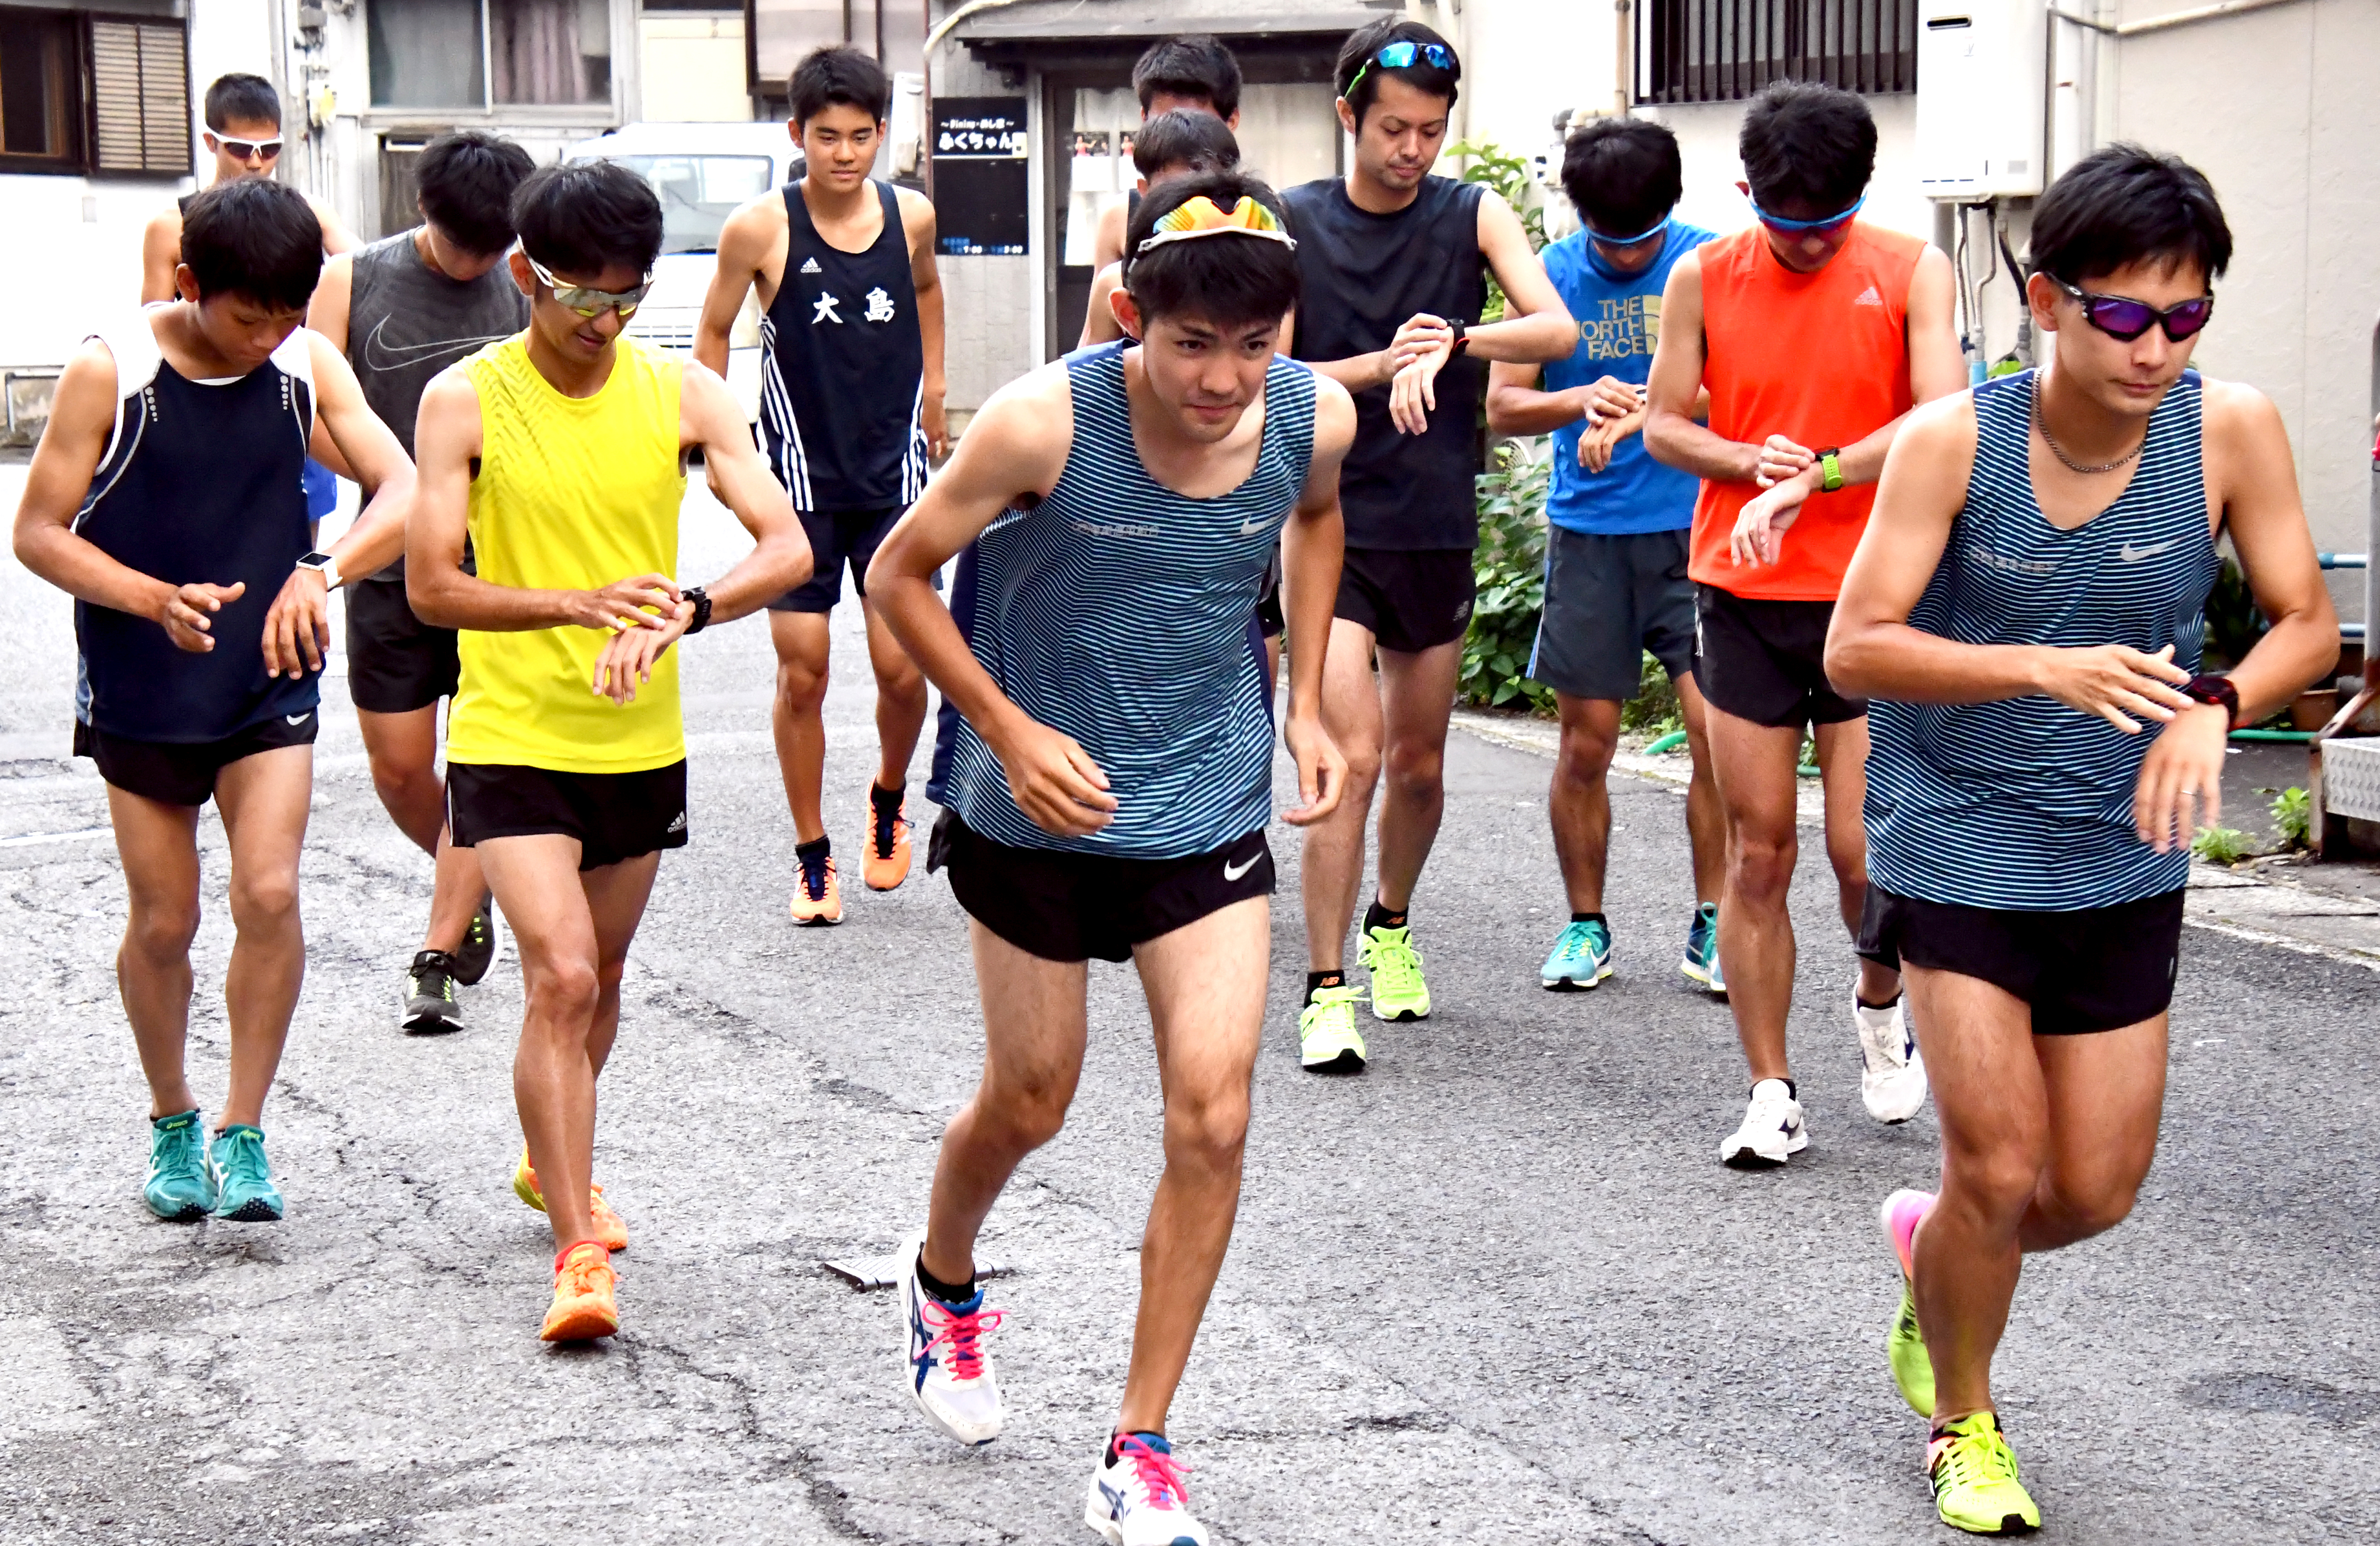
(948, 1372)
(1137, 1498)
(1772, 1129)
(1892, 1074)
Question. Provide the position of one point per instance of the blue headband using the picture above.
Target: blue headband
(1777, 222)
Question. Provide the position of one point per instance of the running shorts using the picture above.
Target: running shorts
(1609, 600)
(614, 815)
(839, 539)
(184, 773)
(2094, 969)
(1069, 907)
(1765, 660)
(397, 663)
(1409, 602)
(1269, 612)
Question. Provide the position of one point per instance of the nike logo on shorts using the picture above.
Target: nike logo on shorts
(1233, 872)
(298, 719)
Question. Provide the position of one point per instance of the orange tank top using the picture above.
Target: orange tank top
(1821, 359)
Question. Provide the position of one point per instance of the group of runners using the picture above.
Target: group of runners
(1769, 473)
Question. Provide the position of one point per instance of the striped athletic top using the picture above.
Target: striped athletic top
(1124, 615)
(2026, 804)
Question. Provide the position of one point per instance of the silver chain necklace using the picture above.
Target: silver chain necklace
(2059, 452)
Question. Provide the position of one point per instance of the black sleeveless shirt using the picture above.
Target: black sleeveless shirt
(1361, 276)
(843, 368)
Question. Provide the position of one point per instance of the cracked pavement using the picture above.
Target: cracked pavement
(1497, 1288)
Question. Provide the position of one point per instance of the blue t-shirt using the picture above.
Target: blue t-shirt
(1618, 324)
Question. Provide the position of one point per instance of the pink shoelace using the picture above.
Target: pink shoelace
(1159, 1473)
(961, 1337)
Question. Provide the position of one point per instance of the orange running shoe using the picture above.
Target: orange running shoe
(610, 1228)
(884, 869)
(583, 1306)
(818, 900)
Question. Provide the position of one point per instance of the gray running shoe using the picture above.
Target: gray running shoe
(430, 1007)
(477, 951)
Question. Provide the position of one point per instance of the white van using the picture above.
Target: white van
(703, 173)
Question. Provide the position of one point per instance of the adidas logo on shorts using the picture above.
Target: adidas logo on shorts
(810, 266)
(677, 822)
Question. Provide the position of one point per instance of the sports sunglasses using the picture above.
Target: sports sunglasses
(241, 150)
(2126, 319)
(589, 302)
(1778, 223)
(1630, 241)
(1402, 54)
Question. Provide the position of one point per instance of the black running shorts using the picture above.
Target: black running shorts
(397, 663)
(1070, 906)
(614, 815)
(184, 773)
(1269, 614)
(1765, 660)
(2095, 968)
(1411, 602)
(839, 539)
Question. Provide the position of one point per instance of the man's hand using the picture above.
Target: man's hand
(1412, 394)
(1781, 459)
(1321, 769)
(1760, 527)
(2183, 767)
(628, 655)
(1053, 780)
(1416, 336)
(298, 624)
(622, 603)
(937, 425)
(186, 610)
(1613, 398)
(2115, 683)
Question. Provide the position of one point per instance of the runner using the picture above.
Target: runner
(1812, 332)
(1392, 241)
(165, 497)
(1105, 764)
(1616, 583)
(559, 453)
(1173, 144)
(852, 404)
(243, 133)
(402, 310)
(1189, 72)
(2036, 576)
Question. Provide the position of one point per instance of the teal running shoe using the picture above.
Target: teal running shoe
(1701, 965)
(242, 1178)
(1398, 992)
(1581, 958)
(180, 1186)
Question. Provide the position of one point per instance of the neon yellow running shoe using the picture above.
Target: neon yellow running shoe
(1398, 992)
(1976, 1485)
(1328, 1040)
(1904, 1346)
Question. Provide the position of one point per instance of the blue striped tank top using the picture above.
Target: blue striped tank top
(1124, 615)
(2026, 804)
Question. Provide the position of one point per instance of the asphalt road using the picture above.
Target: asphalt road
(1497, 1289)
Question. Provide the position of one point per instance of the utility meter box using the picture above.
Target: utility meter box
(1981, 67)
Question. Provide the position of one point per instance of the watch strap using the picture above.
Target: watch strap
(702, 599)
(1830, 468)
(2215, 690)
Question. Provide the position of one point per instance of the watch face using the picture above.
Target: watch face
(313, 560)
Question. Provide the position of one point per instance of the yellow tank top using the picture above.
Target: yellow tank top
(572, 494)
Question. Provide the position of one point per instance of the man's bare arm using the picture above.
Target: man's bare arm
(744, 243)
(1107, 241)
(926, 278)
(2266, 518)
(1537, 326)
(1099, 325)
(336, 238)
(160, 254)
(334, 295)
(1676, 404)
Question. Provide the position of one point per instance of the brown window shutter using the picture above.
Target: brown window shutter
(140, 98)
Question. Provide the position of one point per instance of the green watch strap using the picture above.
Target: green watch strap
(1830, 466)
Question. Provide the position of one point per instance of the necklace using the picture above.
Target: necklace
(2059, 452)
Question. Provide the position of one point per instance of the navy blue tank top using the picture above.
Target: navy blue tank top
(843, 372)
(1360, 276)
(200, 481)
(1123, 614)
(2026, 804)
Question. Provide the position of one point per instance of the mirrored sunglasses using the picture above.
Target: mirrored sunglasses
(589, 302)
(1402, 54)
(1778, 223)
(246, 150)
(2126, 319)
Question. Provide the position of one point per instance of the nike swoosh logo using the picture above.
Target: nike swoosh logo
(382, 355)
(1233, 872)
(2131, 554)
(1250, 528)
(298, 719)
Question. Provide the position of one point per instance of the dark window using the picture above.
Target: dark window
(41, 96)
(1727, 49)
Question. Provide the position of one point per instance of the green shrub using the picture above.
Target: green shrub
(1511, 566)
(1485, 162)
(2293, 814)
(2221, 845)
(1654, 709)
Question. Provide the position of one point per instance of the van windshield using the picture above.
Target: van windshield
(699, 193)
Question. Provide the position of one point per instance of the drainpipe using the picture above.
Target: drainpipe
(1624, 58)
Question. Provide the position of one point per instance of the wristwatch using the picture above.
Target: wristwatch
(1462, 341)
(1830, 468)
(2216, 690)
(324, 565)
(702, 599)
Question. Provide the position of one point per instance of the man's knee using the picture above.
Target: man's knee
(2083, 1206)
(1416, 769)
(263, 901)
(2000, 1180)
(562, 994)
(1760, 862)
(1210, 1133)
(402, 780)
(1584, 756)
(163, 930)
(801, 685)
(1025, 1113)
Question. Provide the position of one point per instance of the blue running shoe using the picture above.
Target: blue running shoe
(1701, 965)
(180, 1185)
(1581, 958)
(243, 1179)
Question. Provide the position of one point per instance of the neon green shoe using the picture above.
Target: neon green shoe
(1398, 992)
(1328, 1041)
(1976, 1485)
(1904, 1346)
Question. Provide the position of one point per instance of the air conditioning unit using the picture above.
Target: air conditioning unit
(1981, 69)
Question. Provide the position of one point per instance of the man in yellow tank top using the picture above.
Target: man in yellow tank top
(561, 452)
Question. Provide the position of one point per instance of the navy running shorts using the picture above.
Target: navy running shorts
(614, 815)
(1609, 600)
(2090, 970)
(184, 773)
(839, 540)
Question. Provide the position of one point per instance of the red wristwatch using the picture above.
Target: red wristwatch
(2216, 690)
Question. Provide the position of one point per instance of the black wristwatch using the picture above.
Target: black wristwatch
(702, 599)
(1462, 330)
(2216, 690)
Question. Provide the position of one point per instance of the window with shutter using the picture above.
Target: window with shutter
(139, 99)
